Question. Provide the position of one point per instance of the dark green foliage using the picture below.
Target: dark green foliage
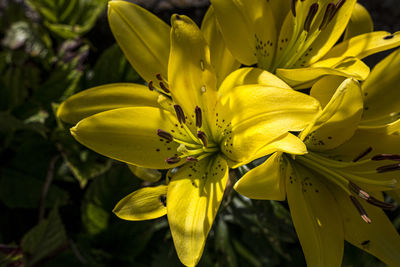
(56, 196)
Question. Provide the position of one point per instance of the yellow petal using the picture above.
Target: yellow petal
(266, 181)
(130, 135)
(248, 29)
(378, 238)
(280, 9)
(245, 76)
(142, 36)
(221, 58)
(316, 218)
(360, 46)
(304, 77)
(145, 174)
(194, 195)
(360, 22)
(143, 204)
(191, 76)
(381, 91)
(339, 119)
(105, 97)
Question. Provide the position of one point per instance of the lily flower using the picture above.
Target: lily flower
(296, 39)
(335, 191)
(198, 135)
(145, 41)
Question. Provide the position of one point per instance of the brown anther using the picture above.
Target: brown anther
(192, 159)
(388, 168)
(380, 204)
(199, 120)
(338, 5)
(395, 157)
(164, 134)
(363, 154)
(294, 7)
(388, 37)
(172, 160)
(357, 190)
(203, 137)
(151, 86)
(360, 209)
(179, 114)
(159, 77)
(310, 16)
(325, 21)
(164, 88)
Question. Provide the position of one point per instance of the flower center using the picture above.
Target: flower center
(346, 175)
(295, 50)
(199, 147)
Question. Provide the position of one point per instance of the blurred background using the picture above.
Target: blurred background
(56, 196)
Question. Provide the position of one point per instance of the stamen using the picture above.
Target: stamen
(172, 160)
(338, 5)
(380, 204)
(179, 114)
(165, 89)
(357, 190)
(192, 159)
(360, 209)
(310, 16)
(203, 137)
(151, 86)
(325, 21)
(363, 154)
(294, 7)
(159, 77)
(199, 120)
(395, 157)
(389, 168)
(165, 135)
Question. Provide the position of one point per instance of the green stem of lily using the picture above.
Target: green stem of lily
(186, 143)
(385, 183)
(194, 138)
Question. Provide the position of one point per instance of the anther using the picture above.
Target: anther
(172, 160)
(380, 204)
(388, 168)
(199, 120)
(151, 86)
(179, 114)
(360, 209)
(164, 134)
(203, 137)
(338, 5)
(159, 77)
(395, 157)
(165, 89)
(388, 37)
(363, 154)
(310, 16)
(325, 21)
(357, 190)
(294, 7)
(192, 159)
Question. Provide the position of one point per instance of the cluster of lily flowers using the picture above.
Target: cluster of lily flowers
(258, 78)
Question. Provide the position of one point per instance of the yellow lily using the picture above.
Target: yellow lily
(196, 128)
(145, 41)
(340, 179)
(295, 39)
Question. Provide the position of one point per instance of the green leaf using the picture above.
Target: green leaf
(44, 239)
